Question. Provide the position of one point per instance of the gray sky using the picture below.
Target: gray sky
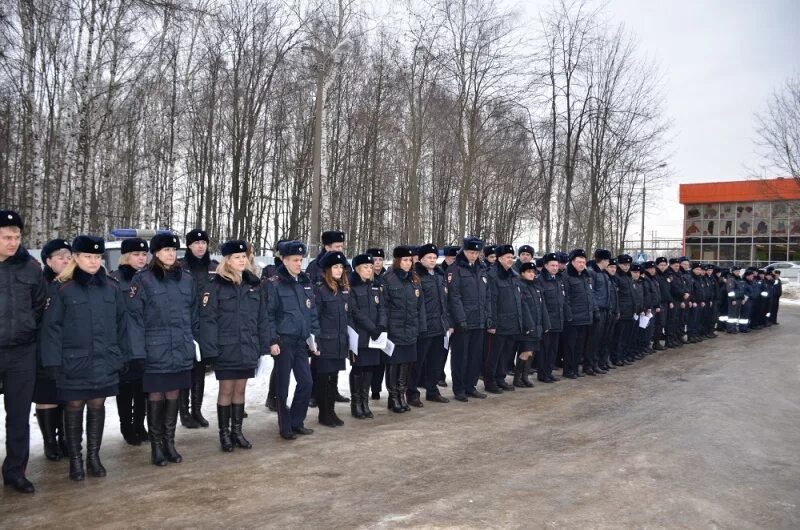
(720, 61)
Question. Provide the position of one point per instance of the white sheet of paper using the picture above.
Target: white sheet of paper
(380, 343)
(312, 342)
(644, 321)
(352, 338)
(447, 341)
(389, 349)
(197, 351)
(262, 372)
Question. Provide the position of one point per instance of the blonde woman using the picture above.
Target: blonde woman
(234, 331)
(83, 342)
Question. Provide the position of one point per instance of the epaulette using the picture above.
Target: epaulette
(109, 276)
(275, 278)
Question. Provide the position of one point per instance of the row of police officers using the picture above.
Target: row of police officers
(73, 335)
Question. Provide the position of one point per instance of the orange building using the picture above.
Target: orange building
(742, 222)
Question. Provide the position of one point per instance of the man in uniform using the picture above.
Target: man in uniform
(524, 255)
(554, 299)
(467, 284)
(450, 252)
(777, 292)
(666, 306)
(602, 323)
(22, 300)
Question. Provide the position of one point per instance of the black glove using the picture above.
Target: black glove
(375, 334)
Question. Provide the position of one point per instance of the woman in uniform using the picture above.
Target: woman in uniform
(369, 320)
(56, 255)
(131, 399)
(532, 342)
(333, 303)
(163, 323)
(234, 332)
(406, 321)
(84, 342)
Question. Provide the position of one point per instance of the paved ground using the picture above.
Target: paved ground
(703, 437)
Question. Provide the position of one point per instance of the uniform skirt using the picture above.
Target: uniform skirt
(366, 357)
(166, 382)
(329, 366)
(45, 392)
(402, 354)
(229, 375)
(71, 394)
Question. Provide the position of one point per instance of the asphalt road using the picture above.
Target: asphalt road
(706, 436)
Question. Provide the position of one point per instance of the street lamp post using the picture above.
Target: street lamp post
(326, 61)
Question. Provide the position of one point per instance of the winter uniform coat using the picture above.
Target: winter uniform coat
(333, 315)
(367, 309)
(555, 300)
(467, 294)
(23, 292)
(601, 287)
(84, 332)
(163, 320)
(201, 270)
(625, 290)
(290, 306)
(405, 308)
(580, 296)
(234, 328)
(540, 317)
(637, 296)
(506, 310)
(434, 293)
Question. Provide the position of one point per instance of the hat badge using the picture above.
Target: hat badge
(174, 240)
(96, 247)
(10, 216)
(301, 249)
(199, 234)
(141, 244)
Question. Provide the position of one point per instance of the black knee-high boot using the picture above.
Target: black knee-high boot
(187, 420)
(366, 382)
(356, 408)
(48, 420)
(272, 392)
(139, 412)
(337, 396)
(394, 403)
(237, 419)
(155, 431)
(402, 385)
(224, 423)
(125, 411)
(322, 396)
(333, 391)
(95, 422)
(61, 431)
(170, 422)
(73, 420)
(198, 389)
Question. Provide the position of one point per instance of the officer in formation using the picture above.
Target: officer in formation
(140, 333)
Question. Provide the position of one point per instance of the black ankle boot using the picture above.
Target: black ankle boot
(198, 388)
(224, 423)
(356, 408)
(170, 422)
(187, 420)
(74, 433)
(155, 431)
(337, 396)
(95, 422)
(237, 419)
(518, 368)
(48, 419)
(333, 391)
(402, 386)
(366, 381)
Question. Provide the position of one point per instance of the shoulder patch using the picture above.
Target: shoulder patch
(206, 295)
(449, 277)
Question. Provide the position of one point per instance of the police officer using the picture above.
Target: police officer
(653, 305)
(625, 288)
(580, 314)
(293, 320)
(635, 350)
(332, 241)
(332, 295)
(467, 292)
(450, 252)
(734, 293)
(602, 321)
(199, 264)
(56, 255)
(83, 340)
(234, 333)
(777, 292)
(406, 321)
(489, 256)
(267, 273)
(553, 294)
(665, 307)
(511, 317)
(378, 257)
(751, 294)
(525, 255)
(531, 343)
(698, 301)
(431, 353)
(22, 298)
(131, 400)
(679, 290)
(368, 315)
(609, 347)
(162, 328)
